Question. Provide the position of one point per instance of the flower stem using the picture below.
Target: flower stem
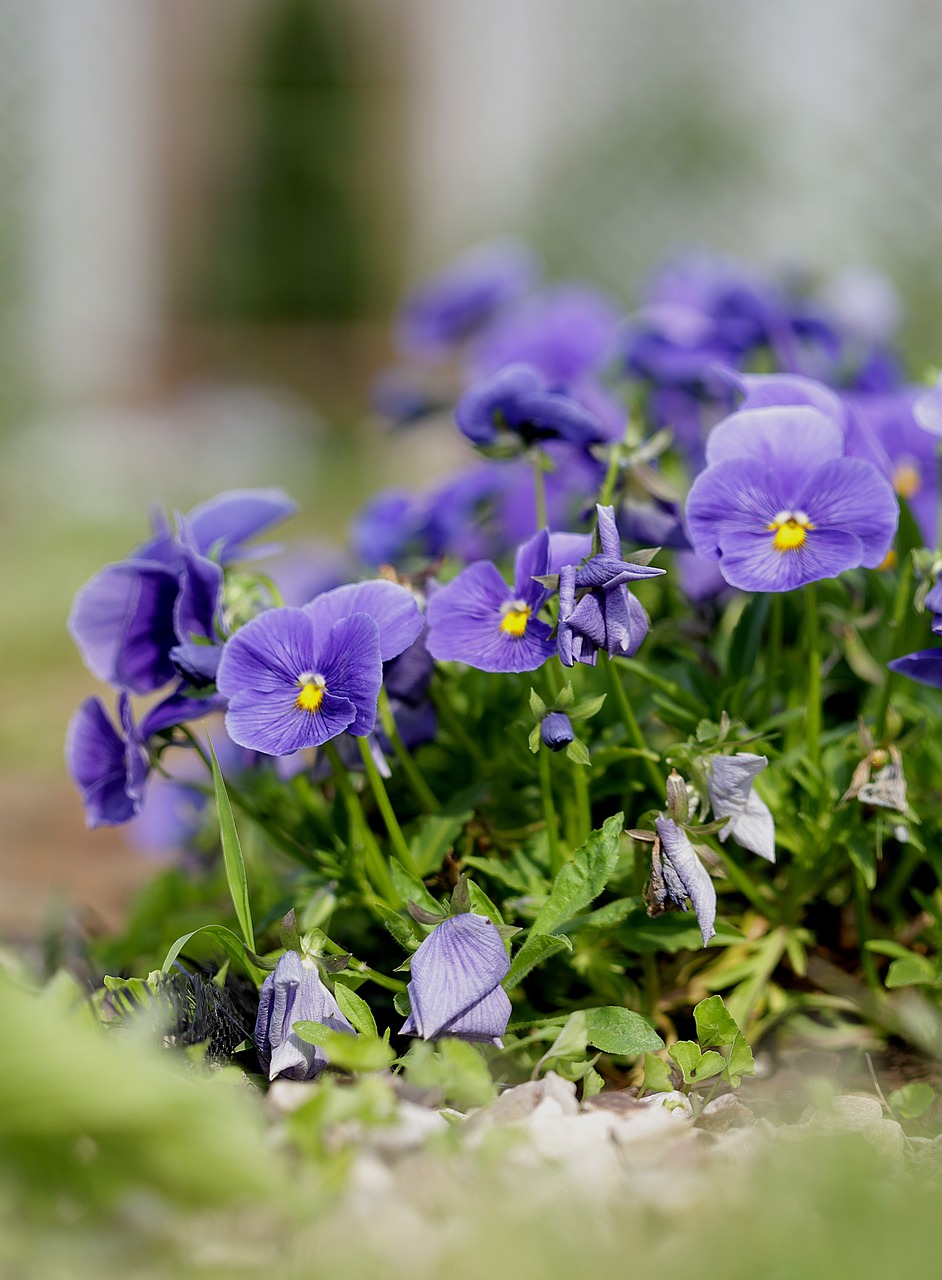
(422, 791)
(375, 863)
(549, 809)
(611, 475)
(900, 603)
(539, 491)
(634, 729)
(813, 642)
(380, 794)
(773, 652)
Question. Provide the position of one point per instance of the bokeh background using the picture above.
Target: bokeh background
(209, 210)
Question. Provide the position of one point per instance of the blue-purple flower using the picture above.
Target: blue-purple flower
(596, 609)
(296, 678)
(455, 982)
(294, 993)
(780, 505)
(732, 795)
(517, 402)
(477, 619)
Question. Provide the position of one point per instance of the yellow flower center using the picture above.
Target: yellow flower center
(312, 692)
(907, 480)
(790, 529)
(515, 619)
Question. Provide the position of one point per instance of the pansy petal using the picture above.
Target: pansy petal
(194, 611)
(122, 623)
(460, 962)
(609, 538)
(730, 780)
(229, 519)
(741, 493)
(349, 660)
(776, 436)
(568, 548)
(693, 875)
(268, 653)
(850, 494)
(626, 623)
(476, 410)
(391, 607)
(484, 1021)
(274, 724)
(751, 562)
(532, 559)
(198, 664)
(925, 666)
(96, 757)
(178, 708)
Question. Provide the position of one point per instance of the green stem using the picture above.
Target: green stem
(549, 809)
(813, 705)
(380, 794)
(539, 491)
(580, 787)
(634, 729)
(900, 604)
(773, 661)
(375, 863)
(743, 881)
(422, 791)
(611, 475)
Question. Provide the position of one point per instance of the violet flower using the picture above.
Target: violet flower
(556, 730)
(780, 505)
(732, 795)
(477, 619)
(298, 677)
(606, 615)
(294, 993)
(679, 875)
(455, 982)
(924, 666)
(518, 401)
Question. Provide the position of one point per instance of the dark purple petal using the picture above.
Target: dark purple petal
(268, 654)
(407, 677)
(603, 571)
(680, 853)
(176, 709)
(391, 607)
(223, 523)
(730, 779)
(350, 662)
(568, 548)
(532, 560)
(194, 613)
(198, 664)
(751, 562)
(460, 963)
(778, 436)
(567, 598)
(556, 730)
(925, 666)
(851, 495)
(122, 623)
(476, 411)
(294, 993)
(107, 769)
(548, 415)
(626, 623)
(588, 618)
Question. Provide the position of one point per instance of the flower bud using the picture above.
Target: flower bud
(294, 993)
(556, 731)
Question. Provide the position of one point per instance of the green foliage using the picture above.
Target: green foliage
(453, 1070)
(232, 855)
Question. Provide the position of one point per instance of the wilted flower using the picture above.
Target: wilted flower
(678, 874)
(455, 988)
(479, 620)
(517, 401)
(294, 993)
(299, 677)
(732, 795)
(606, 616)
(780, 505)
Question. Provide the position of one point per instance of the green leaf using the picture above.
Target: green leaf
(571, 1044)
(481, 904)
(582, 878)
(357, 1054)
(587, 708)
(565, 697)
(534, 739)
(398, 926)
(657, 1075)
(355, 1009)
(232, 854)
(537, 948)
(687, 1055)
(438, 831)
(411, 889)
(537, 705)
(578, 752)
(232, 944)
(715, 1024)
(711, 1064)
(607, 917)
(619, 1031)
(402, 1004)
(592, 1084)
(914, 971)
(912, 1100)
(452, 1067)
(740, 1062)
(674, 931)
(864, 858)
(311, 1032)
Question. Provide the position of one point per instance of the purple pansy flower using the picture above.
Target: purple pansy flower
(455, 982)
(732, 795)
(518, 400)
(780, 505)
(298, 677)
(479, 620)
(460, 300)
(679, 875)
(596, 609)
(294, 993)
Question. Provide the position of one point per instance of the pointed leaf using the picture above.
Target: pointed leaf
(715, 1024)
(355, 1009)
(232, 854)
(537, 948)
(582, 878)
(619, 1031)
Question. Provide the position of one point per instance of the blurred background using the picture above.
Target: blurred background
(208, 212)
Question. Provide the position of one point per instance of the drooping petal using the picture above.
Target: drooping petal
(556, 731)
(776, 437)
(925, 666)
(476, 411)
(194, 612)
(349, 660)
(626, 623)
(223, 523)
(751, 562)
(268, 654)
(97, 758)
(294, 993)
(460, 962)
(198, 664)
(391, 607)
(732, 796)
(609, 538)
(177, 708)
(532, 559)
(484, 1021)
(850, 494)
(691, 872)
(606, 571)
(568, 548)
(122, 623)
